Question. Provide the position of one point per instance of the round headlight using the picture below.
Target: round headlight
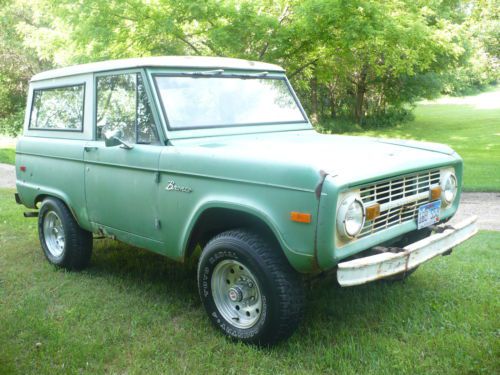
(350, 217)
(449, 187)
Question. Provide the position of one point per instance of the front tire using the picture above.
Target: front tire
(64, 243)
(248, 288)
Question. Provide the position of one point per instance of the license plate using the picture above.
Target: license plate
(428, 214)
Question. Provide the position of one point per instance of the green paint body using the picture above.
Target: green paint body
(262, 171)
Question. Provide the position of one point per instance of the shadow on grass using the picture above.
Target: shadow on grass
(329, 308)
(155, 274)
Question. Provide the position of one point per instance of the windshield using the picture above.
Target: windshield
(202, 102)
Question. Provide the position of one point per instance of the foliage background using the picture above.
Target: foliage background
(354, 63)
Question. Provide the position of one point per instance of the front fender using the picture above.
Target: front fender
(299, 257)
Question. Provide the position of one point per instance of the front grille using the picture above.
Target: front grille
(399, 199)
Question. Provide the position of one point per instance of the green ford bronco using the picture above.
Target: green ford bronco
(172, 153)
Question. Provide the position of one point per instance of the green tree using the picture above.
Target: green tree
(363, 61)
(18, 63)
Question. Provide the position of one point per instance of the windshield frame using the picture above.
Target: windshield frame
(226, 75)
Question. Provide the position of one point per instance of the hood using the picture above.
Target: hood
(272, 157)
(427, 146)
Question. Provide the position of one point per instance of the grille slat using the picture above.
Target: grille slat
(412, 191)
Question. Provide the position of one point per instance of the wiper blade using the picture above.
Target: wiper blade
(219, 72)
(205, 73)
(248, 75)
(261, 74)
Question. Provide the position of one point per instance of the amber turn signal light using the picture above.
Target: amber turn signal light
(373, 211)
(436, 193)
(300, 217)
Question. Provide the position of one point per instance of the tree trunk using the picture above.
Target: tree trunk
(331, 97)
(360, 96)
(314, 97)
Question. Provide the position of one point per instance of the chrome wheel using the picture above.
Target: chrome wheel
(53, 233)
(236, 294)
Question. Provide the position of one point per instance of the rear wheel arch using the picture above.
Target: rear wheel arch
(41, 197)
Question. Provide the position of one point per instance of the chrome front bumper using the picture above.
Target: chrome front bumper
(370, 268)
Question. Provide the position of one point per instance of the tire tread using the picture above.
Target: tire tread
(287, 281)
(78, 247)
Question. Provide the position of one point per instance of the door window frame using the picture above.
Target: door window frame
(149, 94)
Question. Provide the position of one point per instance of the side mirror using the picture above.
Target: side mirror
(113, 138)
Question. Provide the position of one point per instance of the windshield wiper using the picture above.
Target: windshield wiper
(248, 75)
(205, 73)
(219, 72)
(261, 74)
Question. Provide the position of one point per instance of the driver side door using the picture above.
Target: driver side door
(121, 185)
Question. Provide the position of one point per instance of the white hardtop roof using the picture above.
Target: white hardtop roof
(159, 62)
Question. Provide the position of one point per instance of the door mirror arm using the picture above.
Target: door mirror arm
(113, 138)
(125, 145)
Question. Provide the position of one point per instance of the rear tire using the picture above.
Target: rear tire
(248, 288)
(64, 243)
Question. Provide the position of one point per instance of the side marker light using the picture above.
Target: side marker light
(300, 217)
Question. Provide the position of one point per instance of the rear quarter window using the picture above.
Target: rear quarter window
(58, 108)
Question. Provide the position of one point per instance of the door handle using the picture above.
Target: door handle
(90, 148)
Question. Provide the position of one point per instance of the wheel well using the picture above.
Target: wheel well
(216, 220)
(40, 198)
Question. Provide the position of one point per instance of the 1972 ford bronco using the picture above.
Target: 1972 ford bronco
(168, 153)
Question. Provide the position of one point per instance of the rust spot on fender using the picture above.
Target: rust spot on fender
(319, 187)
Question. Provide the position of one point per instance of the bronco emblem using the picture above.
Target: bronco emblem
(172, 186)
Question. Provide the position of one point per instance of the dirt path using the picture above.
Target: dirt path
(485, 205)
(7, 142)
(7, 176)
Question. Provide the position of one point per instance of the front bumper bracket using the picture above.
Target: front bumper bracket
(374, 267)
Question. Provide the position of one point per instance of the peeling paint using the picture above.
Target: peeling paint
(319, 187)
(390, 261)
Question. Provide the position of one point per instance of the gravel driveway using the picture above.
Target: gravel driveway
(485, 205)
(7, 176)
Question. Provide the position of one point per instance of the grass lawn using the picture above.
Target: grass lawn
(7, 155)
(136, 312)
(470, 125)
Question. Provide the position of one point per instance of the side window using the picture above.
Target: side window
(122, 104)
(58, 108)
